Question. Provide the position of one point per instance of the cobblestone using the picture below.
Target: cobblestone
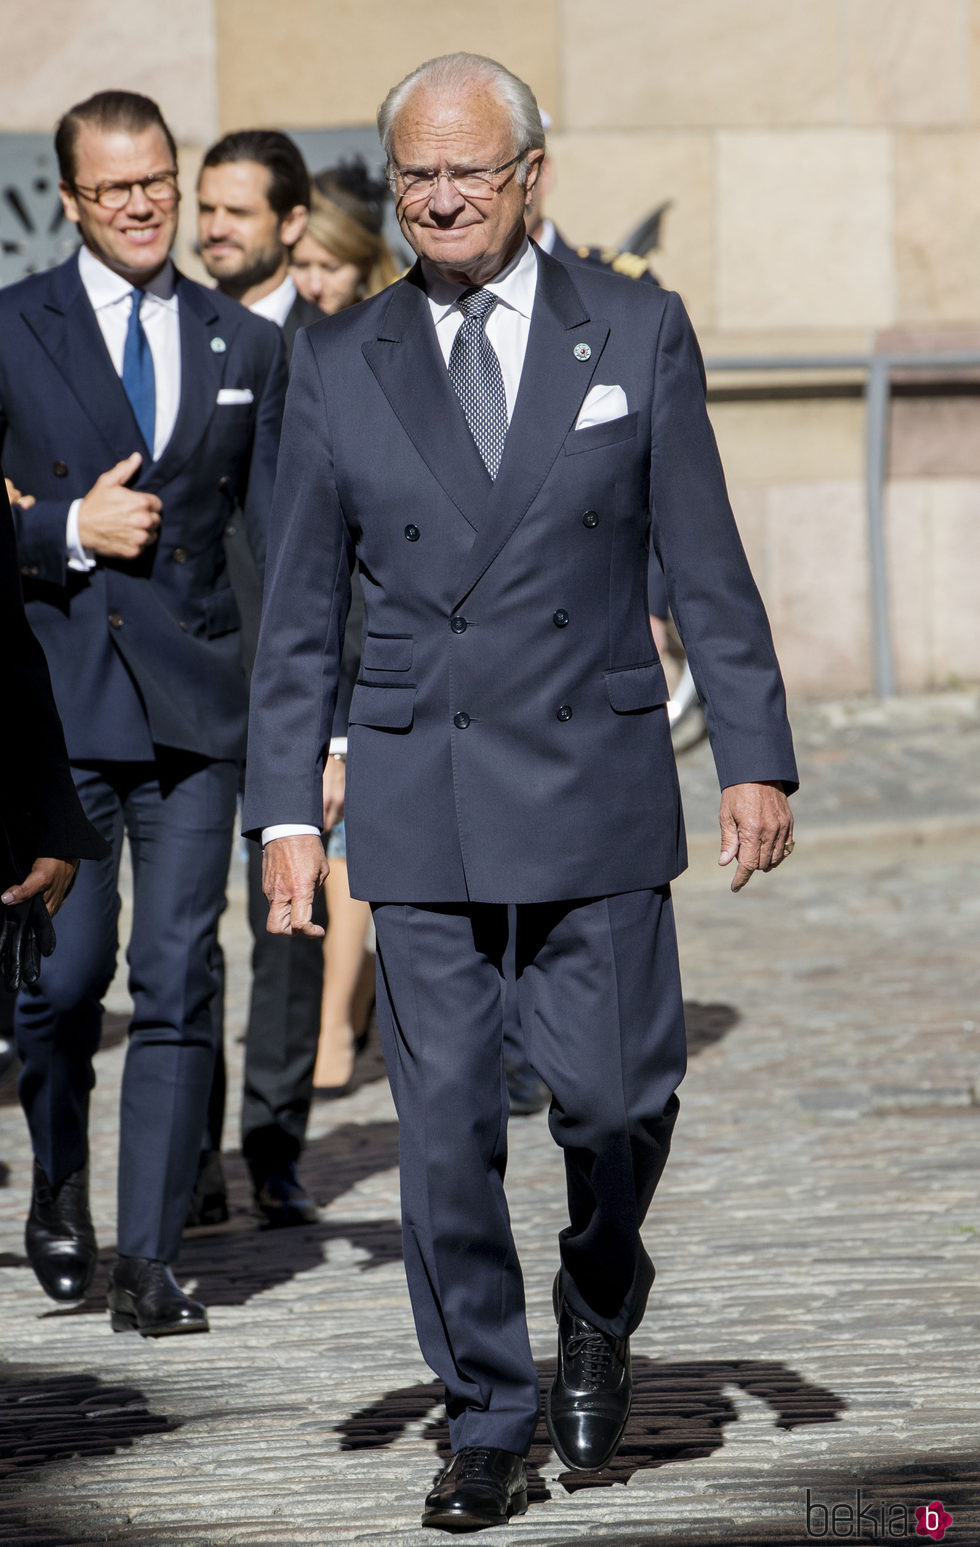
(814, 1321)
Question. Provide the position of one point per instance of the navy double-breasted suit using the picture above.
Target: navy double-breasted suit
(145, 663)
(509, 744)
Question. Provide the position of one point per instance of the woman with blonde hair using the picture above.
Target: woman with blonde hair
(342, 256)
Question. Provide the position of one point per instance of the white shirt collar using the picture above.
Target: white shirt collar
(514, 285)
(104, 287)
(277, 305)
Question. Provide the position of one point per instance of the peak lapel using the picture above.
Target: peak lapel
(68, 330)
(409, 367)
(201, 372)
(554, 382)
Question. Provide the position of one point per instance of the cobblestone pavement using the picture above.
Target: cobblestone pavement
(813, 1327)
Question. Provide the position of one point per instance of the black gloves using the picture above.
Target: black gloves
(26, 934)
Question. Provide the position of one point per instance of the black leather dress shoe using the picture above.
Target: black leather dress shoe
(145, 1297)
(281, 1199)
(59, 1238)
(209, 1200)
(480, 1487)
(589, 1402)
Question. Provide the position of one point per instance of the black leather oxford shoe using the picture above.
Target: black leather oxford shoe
(145, 1297)
(59, 1238)
(480, 1487)
(589, 1402)
(281, 1200)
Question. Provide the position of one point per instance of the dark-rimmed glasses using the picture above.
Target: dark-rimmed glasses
(159, 188)
(412, 184)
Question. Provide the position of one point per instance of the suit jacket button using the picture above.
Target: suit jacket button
(560, 618)
(179, 555)
(565, 712)
(224, 482)
(59, 468)
(115, 619)
(591, 518)
(412, 533)
(458, 624)
(30, 570)
(182, 626)
(461, 720)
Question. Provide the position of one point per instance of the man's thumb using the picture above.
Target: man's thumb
(729, 839)
(123, 471)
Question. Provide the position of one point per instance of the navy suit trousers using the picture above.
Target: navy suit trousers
(603, 1022)
(178, 814)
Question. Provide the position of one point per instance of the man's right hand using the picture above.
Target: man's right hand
(293, 870)
(115, 521)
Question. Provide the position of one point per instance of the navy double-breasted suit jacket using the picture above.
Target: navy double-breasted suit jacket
(166, 623)
(508, 733)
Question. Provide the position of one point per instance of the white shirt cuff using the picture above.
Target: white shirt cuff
(287, 830)
(78, 557)
(338, 744)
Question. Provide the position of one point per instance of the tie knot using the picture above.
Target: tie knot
(477, 303)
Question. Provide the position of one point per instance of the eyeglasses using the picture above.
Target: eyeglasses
(413, 184)
(160, 188)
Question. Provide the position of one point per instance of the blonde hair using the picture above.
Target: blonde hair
(350, 241)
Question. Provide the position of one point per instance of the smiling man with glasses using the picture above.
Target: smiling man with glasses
(495, 442)
(137, 408)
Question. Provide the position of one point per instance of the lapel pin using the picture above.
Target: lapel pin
(218, 346)
(582, 352)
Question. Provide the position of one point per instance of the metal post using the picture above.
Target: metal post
(877, 397)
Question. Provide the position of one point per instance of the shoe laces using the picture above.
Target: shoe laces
(473, 1462)
(594, 1352)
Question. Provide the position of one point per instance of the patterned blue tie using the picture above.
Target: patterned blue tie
(475, 373)
(137, 374)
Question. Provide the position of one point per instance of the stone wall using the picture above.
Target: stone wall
(820, 161)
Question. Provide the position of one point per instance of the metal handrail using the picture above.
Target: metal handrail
(877, 396)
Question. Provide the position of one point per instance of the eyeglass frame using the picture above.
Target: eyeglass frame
(95, 195)
(433, 174)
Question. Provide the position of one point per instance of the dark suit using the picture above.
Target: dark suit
(283, 1026)
(509, 744)
(146, 668)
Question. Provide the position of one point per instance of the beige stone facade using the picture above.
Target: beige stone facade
(820, 161)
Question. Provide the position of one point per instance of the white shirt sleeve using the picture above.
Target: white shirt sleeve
(287, 830)
(337, 744)
(78, 557)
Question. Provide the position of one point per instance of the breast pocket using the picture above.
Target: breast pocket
(598, 435)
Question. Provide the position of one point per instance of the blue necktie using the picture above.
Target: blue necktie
(138, 380)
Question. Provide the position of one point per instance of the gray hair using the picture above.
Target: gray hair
(451, 74)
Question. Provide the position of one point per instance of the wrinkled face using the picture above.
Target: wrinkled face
(321, 277)
(242, 239)
(468, 238)
(134, 240)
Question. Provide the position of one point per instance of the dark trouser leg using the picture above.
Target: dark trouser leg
(282, 1033)
(180, 829)
(440, 1015)
(603, 1016)
(58, 1020)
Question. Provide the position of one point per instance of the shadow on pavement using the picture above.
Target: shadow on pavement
(679, 1413)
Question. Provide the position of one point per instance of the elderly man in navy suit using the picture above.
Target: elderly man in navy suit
(137, 408)
(496, 442)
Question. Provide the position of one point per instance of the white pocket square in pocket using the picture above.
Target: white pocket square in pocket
(601, 404)
(234, 395)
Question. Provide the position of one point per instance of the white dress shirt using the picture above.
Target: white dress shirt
(507, 328)
(110, 296)
(277, 305)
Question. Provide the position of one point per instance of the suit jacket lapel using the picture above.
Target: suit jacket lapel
(554, 382)
(67, 329)
(410, 369)
(201, 372)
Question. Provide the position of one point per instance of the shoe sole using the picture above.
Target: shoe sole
(462, 1520)
(122, 1321)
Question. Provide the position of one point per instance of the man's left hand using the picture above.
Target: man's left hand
(756, 828)
(52, 878)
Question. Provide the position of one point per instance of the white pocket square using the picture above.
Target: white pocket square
(234, 395)
(601, 404)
